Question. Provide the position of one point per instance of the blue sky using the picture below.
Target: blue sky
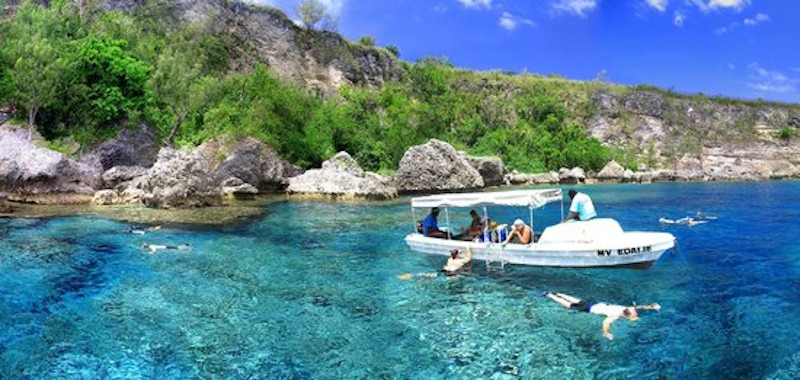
(745, 49)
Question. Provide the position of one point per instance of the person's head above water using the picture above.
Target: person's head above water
(631, 313)
(454, 253)
(435, 211)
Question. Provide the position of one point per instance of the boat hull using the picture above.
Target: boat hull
(641, 249)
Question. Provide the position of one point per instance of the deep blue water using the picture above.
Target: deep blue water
(310, 291)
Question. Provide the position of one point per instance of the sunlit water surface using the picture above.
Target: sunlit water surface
(311, 290)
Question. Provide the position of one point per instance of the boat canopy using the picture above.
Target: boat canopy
(533, 199)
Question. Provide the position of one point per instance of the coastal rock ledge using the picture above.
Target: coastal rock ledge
(341, 177)
(30, 173)
(224, 168)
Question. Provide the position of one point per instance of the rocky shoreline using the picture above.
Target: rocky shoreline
(132, 171)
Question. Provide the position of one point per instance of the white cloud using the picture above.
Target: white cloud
(578, 7)
(765, 80)
(735, 4)
(660, 5)
(476, 4)
(708, 5)
(679, 19)
(761, 17)
(510, 22)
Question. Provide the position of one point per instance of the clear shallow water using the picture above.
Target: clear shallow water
(311, 291)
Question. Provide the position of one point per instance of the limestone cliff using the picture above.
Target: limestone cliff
(322, 60)
(700, 138)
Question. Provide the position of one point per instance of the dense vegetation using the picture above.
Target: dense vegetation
(81, 74)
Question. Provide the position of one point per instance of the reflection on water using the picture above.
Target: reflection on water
(311, 290)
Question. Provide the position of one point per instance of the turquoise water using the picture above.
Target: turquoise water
(310, 291)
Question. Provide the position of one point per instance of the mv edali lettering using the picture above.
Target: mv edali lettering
(624, 251)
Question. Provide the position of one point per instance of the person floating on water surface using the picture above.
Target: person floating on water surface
(612, 312)
(581, 207)
(155, 248)
(142, 231)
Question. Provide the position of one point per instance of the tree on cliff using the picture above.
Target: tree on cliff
(313, 12)
(172, 82)
(38, 67)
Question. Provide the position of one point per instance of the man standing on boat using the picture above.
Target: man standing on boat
(581, 207)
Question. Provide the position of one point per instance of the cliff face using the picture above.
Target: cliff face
(321, 60)
(700, 138)
(697, 138)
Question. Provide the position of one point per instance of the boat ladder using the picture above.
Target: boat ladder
(496, 258)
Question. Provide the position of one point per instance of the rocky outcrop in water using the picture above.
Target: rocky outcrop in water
(435, 166)
(30, 173)
(341, 177)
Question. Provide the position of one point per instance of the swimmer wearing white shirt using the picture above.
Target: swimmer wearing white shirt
(611, 312)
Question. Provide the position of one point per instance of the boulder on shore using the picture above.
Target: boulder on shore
(120, 175)
(131, 147)
(492, 169)
(435, 166)
(571, 176)
(516, 178)
(32, 173)
(222, 168)
(247, 159)
(179, 179)
(342, 177)
(613, 171)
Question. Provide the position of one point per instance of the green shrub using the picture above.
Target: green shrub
(367, 41)
(786, 133)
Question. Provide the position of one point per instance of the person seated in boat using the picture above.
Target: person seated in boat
(520, 233)
(156, 247)
(581, 207)
(610, 311)
(430, 225)
(475, 227)
(455, 262)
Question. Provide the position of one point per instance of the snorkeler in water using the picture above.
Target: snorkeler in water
(155, 248)
(142, 231)
(611, 312)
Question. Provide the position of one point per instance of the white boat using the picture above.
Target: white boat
(599, 242)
